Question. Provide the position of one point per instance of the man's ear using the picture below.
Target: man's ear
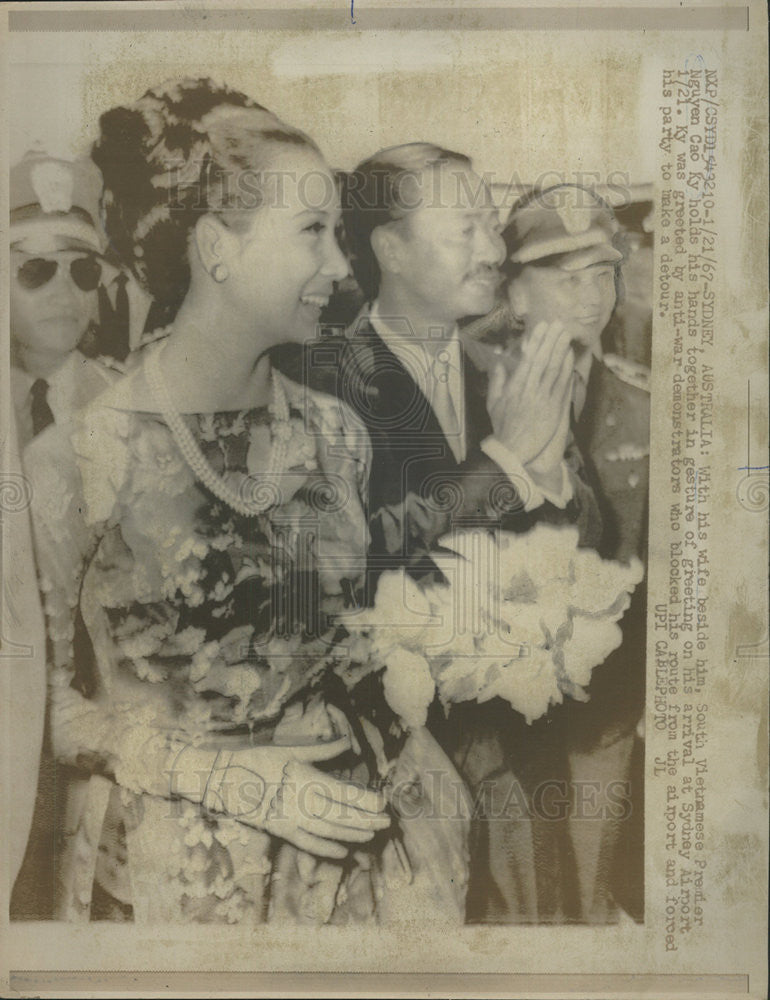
(386, 245)
(213, 242)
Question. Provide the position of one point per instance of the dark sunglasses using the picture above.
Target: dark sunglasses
(86, 272)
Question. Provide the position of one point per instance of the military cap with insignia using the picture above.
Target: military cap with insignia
(565, 219)
(54, 204)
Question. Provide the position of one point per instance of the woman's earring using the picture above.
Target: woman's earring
(219, 273)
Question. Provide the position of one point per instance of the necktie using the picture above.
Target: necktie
(42, 415)
(121, 318)
(443, 405)
(114, 321)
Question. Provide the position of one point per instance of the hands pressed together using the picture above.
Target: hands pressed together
(530, 406)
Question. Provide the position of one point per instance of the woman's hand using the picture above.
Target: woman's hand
(277, 789)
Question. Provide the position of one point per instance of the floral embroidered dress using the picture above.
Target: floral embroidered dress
(171, 617)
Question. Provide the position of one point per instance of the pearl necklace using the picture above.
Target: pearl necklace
(265, 492)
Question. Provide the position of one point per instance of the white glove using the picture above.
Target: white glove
(276, 789)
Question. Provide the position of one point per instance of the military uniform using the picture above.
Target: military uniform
(54, 212)
(613, 433)
(75, 384)
(561, 246)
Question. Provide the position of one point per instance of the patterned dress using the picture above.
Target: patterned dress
(173, 618)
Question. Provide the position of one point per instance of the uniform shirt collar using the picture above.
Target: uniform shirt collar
(58, 379)
(584, 362)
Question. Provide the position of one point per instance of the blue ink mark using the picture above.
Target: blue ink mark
(698, 57)
(753, 468)
(352, 16)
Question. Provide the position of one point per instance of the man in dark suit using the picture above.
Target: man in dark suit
(563, 266)
(612, 432)
(455, 446)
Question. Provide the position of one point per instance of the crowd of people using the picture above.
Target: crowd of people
(218, 473)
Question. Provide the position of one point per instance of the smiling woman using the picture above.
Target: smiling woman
(297, 277)
(200, 528)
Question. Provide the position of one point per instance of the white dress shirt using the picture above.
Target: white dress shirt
(439, 375)
(74, 384)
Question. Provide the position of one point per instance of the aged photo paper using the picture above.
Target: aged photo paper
(383, 500)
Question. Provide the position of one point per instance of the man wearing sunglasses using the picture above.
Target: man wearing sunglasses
(55, 271)
(56, 268)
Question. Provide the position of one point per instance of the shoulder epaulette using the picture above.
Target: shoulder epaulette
(151, 336)
(111, 364)
(630, 372)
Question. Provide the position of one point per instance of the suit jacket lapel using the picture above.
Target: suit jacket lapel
(477, 423)
(394, 391)
(396, 400)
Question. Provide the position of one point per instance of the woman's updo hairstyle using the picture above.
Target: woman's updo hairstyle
(185, 149)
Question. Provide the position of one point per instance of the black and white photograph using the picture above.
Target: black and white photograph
(366, 457)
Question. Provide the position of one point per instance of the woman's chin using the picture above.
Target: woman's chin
(309, 321)
(302, 334)
(298, 333)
